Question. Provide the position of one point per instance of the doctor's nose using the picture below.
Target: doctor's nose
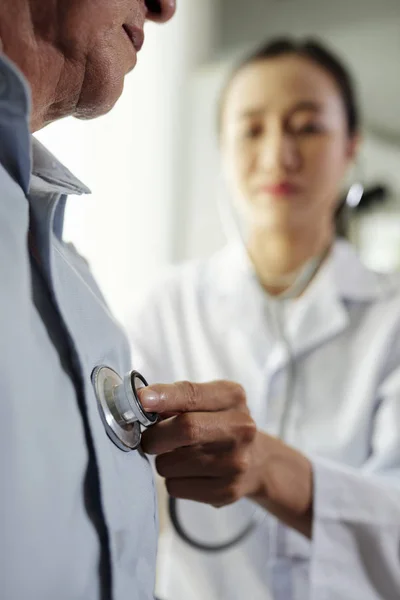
(160, 11)
(277, 153)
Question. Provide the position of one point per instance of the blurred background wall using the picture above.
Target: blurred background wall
(153, 163)
(366, 33)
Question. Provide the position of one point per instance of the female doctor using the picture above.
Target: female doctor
(313, 337)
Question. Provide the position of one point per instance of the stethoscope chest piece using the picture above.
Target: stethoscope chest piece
(120, 408)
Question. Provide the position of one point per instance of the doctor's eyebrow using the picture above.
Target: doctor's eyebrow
(307, 106)
(301, 106)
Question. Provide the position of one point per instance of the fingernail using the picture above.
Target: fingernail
(150, 399)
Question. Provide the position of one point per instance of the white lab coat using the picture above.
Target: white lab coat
(207, 321)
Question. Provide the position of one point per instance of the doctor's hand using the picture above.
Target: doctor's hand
(209, 450)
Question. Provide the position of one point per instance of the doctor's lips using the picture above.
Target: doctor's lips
(280, 189)
(136, 35)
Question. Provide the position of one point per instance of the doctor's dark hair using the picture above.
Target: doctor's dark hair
(314, 51)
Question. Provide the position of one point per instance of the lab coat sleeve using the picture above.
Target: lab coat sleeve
(356, 527)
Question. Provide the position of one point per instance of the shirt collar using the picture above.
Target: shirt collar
(50, 185)
(50, 176)
(22, 155)
(15, 105)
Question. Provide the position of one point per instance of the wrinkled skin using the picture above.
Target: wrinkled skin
(75, 53)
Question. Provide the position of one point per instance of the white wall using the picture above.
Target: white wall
(203, 233)
(245, 22)
(132, 158)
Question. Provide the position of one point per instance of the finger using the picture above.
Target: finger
(191, 397)
(164, 416)
(192, 429)
(202, 461)
(216, 492)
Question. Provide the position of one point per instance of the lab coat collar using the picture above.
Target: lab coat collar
(320, 314)
(349, 278)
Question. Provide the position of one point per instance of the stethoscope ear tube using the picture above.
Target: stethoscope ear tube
(208, 548)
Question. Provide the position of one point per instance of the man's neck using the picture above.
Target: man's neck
(20, 42)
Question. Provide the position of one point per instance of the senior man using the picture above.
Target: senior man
(77, 515)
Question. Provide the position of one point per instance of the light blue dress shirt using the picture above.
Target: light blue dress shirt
(77, 515)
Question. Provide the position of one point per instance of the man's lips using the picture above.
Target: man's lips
(136, 35)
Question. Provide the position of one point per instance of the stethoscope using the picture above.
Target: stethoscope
(274, 309)
(124, 417)
(120, 408)
(275, 313)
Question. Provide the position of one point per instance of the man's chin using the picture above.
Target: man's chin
(93, 111)
(98, 101)
(88, 113)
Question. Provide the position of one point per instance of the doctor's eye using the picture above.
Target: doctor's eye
(252, 132)
(308, 129)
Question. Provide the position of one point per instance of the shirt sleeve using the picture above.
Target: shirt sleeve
(355, 550)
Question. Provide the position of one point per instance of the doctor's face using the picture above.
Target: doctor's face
(285, 143)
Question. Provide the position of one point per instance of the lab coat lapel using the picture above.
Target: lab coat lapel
(241, 303)
(314, 319)
(321, 313)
